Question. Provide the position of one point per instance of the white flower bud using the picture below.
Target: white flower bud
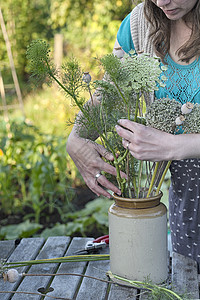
(187, 108)
(12, 275)
(86, 77)
(179, 120)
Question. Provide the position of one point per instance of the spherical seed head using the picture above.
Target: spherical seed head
(187, 108)
(12, 275)
(86, 77)
(179, 120)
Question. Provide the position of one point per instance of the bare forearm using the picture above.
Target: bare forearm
(186, 146)
(147, 143)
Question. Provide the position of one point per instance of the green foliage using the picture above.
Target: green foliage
(41, 66)
(87, 26)
(34, 170)
(49, 110)
(91, 220)
(152, 291)
(22, 230)
(25, 20)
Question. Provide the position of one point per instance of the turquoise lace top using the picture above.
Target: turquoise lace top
(183, 83)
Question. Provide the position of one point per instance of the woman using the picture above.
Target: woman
(169, 29)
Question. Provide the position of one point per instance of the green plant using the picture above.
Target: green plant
(22, 230)
(34, 171)
(92, 220)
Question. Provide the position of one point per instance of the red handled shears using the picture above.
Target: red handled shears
(94, 245)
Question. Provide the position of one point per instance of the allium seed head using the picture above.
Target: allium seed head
(179, 120)
(86, 77)
(12, 275)
(187, 108)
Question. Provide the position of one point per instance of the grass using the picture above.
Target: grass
(49, 110)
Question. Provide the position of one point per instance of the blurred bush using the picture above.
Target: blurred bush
(35, 170)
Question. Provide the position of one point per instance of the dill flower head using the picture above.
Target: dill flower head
(143, 72)
(39, 60)
(162, 113)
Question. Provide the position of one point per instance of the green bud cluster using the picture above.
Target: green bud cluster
(191, 123)
(143, 73)
(39, 60)
(162, 113)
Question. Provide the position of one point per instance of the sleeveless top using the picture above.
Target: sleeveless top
(183, 84)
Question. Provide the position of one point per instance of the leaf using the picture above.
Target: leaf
(57, 230)
(101, 218)
(22, 230)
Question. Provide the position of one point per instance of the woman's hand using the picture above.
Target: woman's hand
(87, 156)
(146, 143)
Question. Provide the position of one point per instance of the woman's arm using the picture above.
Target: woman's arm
(146, 143)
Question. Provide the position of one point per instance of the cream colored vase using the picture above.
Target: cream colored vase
(138, 239)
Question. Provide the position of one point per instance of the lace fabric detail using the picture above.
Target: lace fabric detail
(183, 83)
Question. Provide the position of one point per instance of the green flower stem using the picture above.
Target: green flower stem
(153, 179)
(102, 137)
(121, 181)
(81, 108)
(73, 258)
(137, 107)
(89, 89)
(163, 177)
(120, 159)
(119, 91)
(128, 177)
(140, 177)
(72, 96)
(148, 286)
(135, 120)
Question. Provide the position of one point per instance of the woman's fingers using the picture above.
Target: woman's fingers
(89, 159)
(145, 143)
(104, 166)
(101, 185)
(103, 152)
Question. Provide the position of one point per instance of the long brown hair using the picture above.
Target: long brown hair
(160, 31)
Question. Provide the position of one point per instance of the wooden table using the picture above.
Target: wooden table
(182, 270)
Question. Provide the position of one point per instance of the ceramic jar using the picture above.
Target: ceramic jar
(138, 239)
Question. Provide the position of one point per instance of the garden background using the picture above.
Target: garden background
(41, 191)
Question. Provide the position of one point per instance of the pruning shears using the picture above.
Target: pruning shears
(95, 245)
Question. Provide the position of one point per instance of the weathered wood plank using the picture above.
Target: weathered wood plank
(118, 292)
(6, 248)
(185, 276)
(54, 247)
(66, 286)
(91, 288)
(26, 250)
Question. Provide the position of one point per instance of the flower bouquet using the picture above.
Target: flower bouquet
(121, 94)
